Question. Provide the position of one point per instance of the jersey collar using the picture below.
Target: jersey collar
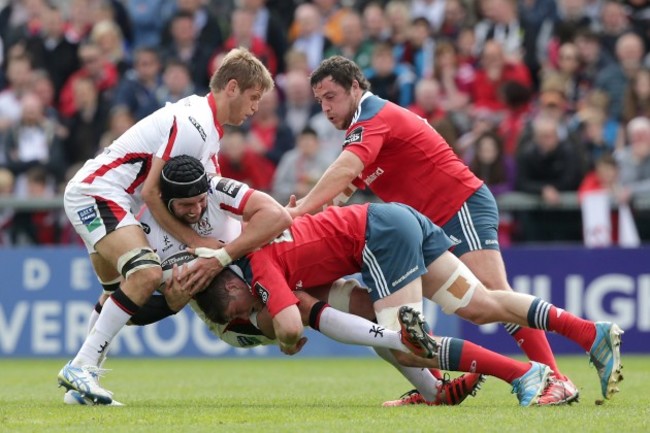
(213, 107)
(367, 94)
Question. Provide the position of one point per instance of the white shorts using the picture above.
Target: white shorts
(97, 210)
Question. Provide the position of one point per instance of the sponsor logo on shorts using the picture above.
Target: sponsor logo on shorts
(145, 228)
(198, 127)
(89, 218)
(455, 240)
(262, 293)
(229, 187)
(405, 276)
(356, 136)
(491, 242)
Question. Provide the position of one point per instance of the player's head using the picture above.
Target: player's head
(227, 297)
(242, 79)
(338, 84)
(184, 185)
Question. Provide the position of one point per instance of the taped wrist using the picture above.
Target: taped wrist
(154, 310)
(314, 314)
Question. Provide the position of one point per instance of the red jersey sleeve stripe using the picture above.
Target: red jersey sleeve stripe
(129, 158)
(173, 131)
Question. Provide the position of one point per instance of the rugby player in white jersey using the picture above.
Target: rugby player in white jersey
(103, 196)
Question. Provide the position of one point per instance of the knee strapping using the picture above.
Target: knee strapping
(137, 259)
(110, 286)
(457, 291)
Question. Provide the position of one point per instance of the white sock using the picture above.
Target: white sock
(420, 378)
(351, 329)
(110, 321)
(94, 315)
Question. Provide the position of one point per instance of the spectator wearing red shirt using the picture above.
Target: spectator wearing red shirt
(238, 161)
(494, 72)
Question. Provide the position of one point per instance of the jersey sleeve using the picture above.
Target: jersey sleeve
(270, 285)
(366, 138)
(231, 195)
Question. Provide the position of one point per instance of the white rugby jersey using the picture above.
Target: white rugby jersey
(187, 127)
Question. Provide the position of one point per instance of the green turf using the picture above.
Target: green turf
(301, 395)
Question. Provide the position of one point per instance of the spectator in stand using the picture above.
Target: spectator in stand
(638, 12)
(243, 35)
(269, 27)
(310, 34)
(517, 99)
(333, 14)
(374, 23)
(149, 18)
(494, 71)
(455, 78)
(497, 170)
(41, 85)
(80, 21)
(614, 23)
(398, 16)
(419, 48)
(269, 134)
(546, 167)
(19, 70)
(50, 50)
(537, 18)
(108, 37)
(300, 168)
(573, 17)
(456, 17)
(176, 83)
(185, 46)
(482, 121)
(237, 160)
(427, 101)
(299, 104)
(353, 44)
(431, 10)
(388, 79)
(567, 74)
(592, 58)
(206, 30)
(33, 141)
(120, 120)
(103, 74)
(595, 136)
(634, 161)
(25, 21)
(501, 24)
(138, 89)
(6, 214)
(87, 125)
(36, 227)
(636, 101)
(614, 79)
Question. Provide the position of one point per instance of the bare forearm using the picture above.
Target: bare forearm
(262, 228)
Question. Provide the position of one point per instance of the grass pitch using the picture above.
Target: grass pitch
(301, 395)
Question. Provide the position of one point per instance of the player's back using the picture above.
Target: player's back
(407, 161)
(318, 249)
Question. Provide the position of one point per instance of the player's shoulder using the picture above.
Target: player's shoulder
(369, 107)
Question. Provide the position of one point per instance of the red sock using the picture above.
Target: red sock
(475, 358)
(574, 328)
(535, 345)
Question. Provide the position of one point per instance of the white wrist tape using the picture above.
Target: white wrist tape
(208, 253)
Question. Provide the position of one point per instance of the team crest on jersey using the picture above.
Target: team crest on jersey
(356, 136)
(229, 187)
(262, 293)
(203, 227)
(198, 127)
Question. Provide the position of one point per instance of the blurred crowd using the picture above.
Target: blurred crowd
(537, 96)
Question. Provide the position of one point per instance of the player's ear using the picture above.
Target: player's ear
(231, 87)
